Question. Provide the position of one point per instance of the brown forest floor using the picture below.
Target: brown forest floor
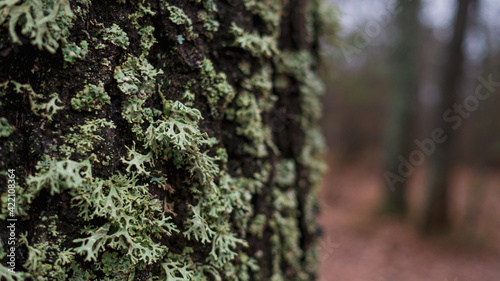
(360, 245)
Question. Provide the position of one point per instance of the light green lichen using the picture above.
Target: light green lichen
(269, 11)
(178, 17)
(72, 51)
(39, 108)
(141, 12)
(285, 173)
(46, 261)
(92, 97)
(44, 22)
(5, 128)
(255, 44)
(133, 220)
(249, 118)
(215, 87)
(133, 217)
(138, 161)
(147, 39)
(181, 267)
(116, 36)
(57, 176)
(83, 137)
(209, 23)
(136, 78)
(262, 85)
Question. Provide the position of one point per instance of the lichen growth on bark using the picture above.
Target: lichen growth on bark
(158, 141)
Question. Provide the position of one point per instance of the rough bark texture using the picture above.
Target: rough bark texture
(170, 140)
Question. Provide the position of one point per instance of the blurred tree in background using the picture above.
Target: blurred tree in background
(435, 217)
(395, 87)
(400, 122)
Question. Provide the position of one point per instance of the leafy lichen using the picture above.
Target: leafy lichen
(83, 137)
(39, 108)
(181, 147)
(5, 128)
(92, 97)
(116, 36)
(216, 86)
(72, 51)
(44, 29)
(257, 45)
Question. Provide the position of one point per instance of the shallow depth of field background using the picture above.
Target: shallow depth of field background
(361, 241)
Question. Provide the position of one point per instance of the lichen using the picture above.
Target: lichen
(5, 128)
(83, 137)
(133, 218)
(173, 131)
(46, 261)
(92, 97)
(255, 44)
(209, 23)
(269, 11)
(39, 108)
(136, 78)
(44, 29)
(178, 17)
(72, 51)
(215, 87)
(251, 126)
(138, 161)
(116, 36)
(147, 38)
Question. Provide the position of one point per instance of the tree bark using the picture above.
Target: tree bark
(175, 140)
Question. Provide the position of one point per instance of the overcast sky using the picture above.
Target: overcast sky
(435, 13)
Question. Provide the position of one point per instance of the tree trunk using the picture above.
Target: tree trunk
(402, 107)
(435, 218)
(171, 140)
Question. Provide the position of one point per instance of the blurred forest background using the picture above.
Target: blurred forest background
(411, 119)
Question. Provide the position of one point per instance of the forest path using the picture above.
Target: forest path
(359, 245)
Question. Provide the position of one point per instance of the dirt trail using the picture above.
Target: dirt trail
(359, 245)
